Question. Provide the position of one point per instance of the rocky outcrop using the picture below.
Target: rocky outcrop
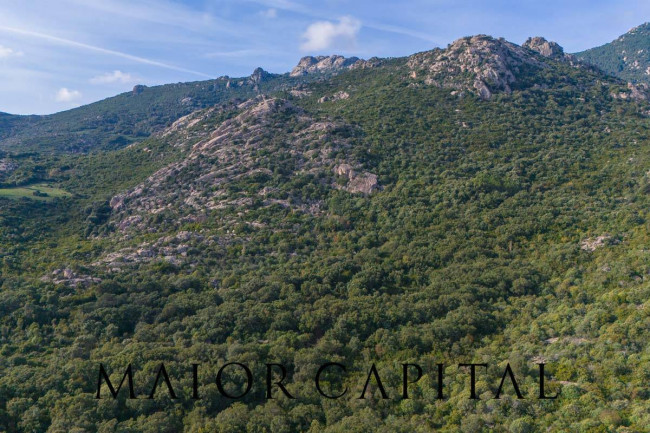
(554, 51)
(480, 64)
(547, 49)
(174, 249)
(335, 97)
(363, 182)
(635, 92)
(592, 244)
(259, 75)
(310, 64)
(266, 135)
(68, 277)
(484, 65)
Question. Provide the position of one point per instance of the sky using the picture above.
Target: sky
(57, 55)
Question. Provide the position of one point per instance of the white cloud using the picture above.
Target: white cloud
(270, 13)
(8, 52)
(112, 77)
(326, 34)
(66, 95)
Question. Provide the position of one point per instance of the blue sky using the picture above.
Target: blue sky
(56, 55)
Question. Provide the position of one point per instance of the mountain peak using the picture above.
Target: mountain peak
(479, 63)
(259, 75)
(311, 64)
(645, 27)
(544, 47)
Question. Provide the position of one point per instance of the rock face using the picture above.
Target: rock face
(636, 92)
(335, 97)
(259, 75)
(310, 64)
(545, 48)
(364, 182)
(264, 137)
(484, 65)
(479, 63)
(592, 244)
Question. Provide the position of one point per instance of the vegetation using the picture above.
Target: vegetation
(118, 121)
(510, 230)
(627, 57)
(35, 191)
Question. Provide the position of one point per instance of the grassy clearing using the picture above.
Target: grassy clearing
(39, 191)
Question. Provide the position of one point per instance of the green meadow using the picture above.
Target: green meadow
(39, 191)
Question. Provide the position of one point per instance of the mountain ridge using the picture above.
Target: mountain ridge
(131, 116)
(627, 57)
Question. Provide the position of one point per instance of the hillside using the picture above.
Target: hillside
(132, 116)
(627, 57)
(486, 202)
(120, 120)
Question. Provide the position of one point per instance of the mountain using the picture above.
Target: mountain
(486, 202)
(627, 57)
(485, 65)
(132, 116)
(328, 64)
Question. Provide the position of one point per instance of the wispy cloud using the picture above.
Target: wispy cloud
(112, 77)
(67, 95)
(322, 35)
(9, 52)
(270, 13)
(171, 14)
(402, 31)
(313, 13)
(71, 43)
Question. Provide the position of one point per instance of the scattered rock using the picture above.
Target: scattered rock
(173, 248)
(68, 277)
(7, 166)
(592, 244)
(299, 93)
(335, 97)
(564, 340)
(636, 92)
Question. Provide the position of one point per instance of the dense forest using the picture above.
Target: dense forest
(379, 215)
(626, 57)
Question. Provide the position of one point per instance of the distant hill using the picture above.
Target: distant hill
(627, 57)
(132, 116)
(125, 118)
